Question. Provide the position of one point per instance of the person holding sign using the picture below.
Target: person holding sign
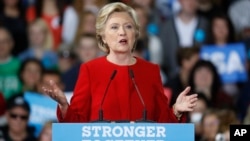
(119, 86)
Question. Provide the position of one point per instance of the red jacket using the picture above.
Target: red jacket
(122, 101)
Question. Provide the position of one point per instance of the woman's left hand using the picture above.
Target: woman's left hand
(184, 102)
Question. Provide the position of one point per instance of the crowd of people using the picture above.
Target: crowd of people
(43, 40)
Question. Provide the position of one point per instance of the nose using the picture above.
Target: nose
(122, 31)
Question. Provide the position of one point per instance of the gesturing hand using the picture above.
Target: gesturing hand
(55, 93)
(184, 102)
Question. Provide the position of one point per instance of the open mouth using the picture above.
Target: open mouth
(123, 41)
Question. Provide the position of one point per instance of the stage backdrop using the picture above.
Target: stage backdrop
(229, 60)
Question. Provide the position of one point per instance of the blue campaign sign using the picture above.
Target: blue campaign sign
(122, 132)
(43, 109)
(229, 60)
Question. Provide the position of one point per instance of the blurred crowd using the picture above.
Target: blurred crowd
(42, 40)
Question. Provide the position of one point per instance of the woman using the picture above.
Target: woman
(40, 42)
(30, 74)
(210, 124)
(51, 11)
(205, 79)
(117, 30)
(221, 31)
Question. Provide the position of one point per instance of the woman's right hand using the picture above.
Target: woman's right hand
(53, 91)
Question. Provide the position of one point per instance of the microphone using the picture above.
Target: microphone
(144, 112)
(103, 98)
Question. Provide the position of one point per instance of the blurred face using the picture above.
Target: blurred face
(89, 24)
(220, 30)
(36, 35)
(6, 44)
(87, 49)
(46, 134)
(31, 74)
(188, 64)
(203, 78)
(17, 119)
(210, 126)
(119, 33)
(189, 6)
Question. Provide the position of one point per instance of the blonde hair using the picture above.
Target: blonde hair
(103, 16)
(48, 43)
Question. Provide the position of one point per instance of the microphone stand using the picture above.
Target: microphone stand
(100, 113)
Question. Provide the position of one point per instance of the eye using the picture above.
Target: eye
(114, 27)
(129, 26)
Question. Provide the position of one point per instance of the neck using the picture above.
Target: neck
(17, 136)
(121, 59)
(186, 17)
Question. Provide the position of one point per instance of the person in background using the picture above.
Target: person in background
(221, 33)
(204, 78)
(85, 50)
(86, 24)
(186, 59)
(50, 75)
(46, 133)
(117, 29)
(152, 48)
(66, 58)
(210, 124)
(12, 16)
(221, 30)
(185, 29)
(17, 115)
(30, 74)
(9, 66)
(227, 117)
(51, 11)
(153, 14)
(40, 42)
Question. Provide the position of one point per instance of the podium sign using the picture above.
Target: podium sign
(122, 132)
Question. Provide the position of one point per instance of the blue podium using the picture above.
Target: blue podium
(122, 132)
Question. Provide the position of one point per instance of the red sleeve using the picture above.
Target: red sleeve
(165, 114)
(80, 104)
(2, 104)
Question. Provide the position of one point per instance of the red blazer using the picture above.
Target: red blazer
(122, 101)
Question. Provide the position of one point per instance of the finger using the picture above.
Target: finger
(192, 105)
(193, 96)
(186, 91)
(193, 100)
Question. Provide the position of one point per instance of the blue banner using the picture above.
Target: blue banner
(122, 132)
(43, 109)
(229, 60)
